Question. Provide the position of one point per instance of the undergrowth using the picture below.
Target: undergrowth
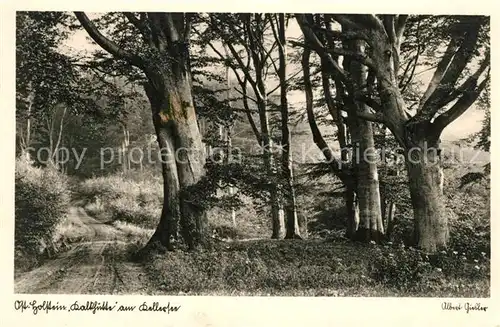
(317, 268)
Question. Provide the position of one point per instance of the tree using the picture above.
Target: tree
(277, 22)
(451, 91)
(358, 170)
(159, 48)
(44, 77)
(244, 37)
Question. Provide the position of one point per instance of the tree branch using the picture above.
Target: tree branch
(343, 35)
(438, 73)
(245, 95)
(400, 26)
(377, 117)
(469, 84)
(335, 165)
(453, 71)
(315, 43)
(461, 106)
(141, 25)
(390, 29)
(106, 43)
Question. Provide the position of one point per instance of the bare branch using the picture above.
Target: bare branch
(359, 21)
(249, 113)
(358, 56)
(316, 44)
(374, 117)
(171, 29)
(318, 139)
(244, 94)
(370, 102)
(344, 35)
(469, 84)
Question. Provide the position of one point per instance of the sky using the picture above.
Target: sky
(467, 124)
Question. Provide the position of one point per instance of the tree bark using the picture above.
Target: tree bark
(182, 164)
(228, 136)
(291, 220)
(352, 211)
(430, 217)
(364, 160)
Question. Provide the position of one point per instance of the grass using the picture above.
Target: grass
(308, 268)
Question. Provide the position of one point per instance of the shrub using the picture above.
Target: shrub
(400, 268)
(133, 198)
(41, 203)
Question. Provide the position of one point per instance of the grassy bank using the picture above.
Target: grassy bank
(318, 268)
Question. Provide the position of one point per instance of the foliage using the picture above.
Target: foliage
(134, 198)
(407, 268)
(400, 268)
(41, 203)
(311, 268)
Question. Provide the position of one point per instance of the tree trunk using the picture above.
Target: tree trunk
(291, 221)
(228, 136)
(371, 227)
(167, 231)
(431, 221)
(183, 162)
(391, 208)
(352, 211)
(276, 214)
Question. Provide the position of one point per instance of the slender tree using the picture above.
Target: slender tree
(247, 32)
(278, 26)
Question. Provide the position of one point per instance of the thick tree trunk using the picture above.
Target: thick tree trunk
(190, 161)
(167, 231)
(183, 163)
(371, 227)
(431, 221)
(370, 215)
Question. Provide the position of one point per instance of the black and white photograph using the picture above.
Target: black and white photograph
(247, 154)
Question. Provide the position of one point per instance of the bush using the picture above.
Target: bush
(131, 198)
(401, 268)
(470, 237)
(41, 203)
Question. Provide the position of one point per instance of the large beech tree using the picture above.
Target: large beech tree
(157, 44)
(357, 170)
(460, 75)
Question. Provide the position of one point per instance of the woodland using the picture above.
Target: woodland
(255, 153)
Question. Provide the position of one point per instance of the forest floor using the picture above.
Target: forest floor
(99, 263)
(96, 265)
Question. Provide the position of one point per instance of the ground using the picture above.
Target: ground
(96, 266)
(99, 263)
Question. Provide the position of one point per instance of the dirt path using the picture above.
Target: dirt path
(98, 266)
